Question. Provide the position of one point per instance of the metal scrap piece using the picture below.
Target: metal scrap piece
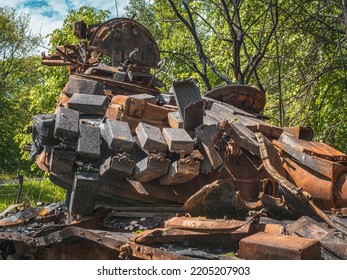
(317, 149)
(331, 241)
(241, 135)
(217, 200)
(174, 120)
(192, 238)
(205, 137)
(244, 97)
(185, 92)
(266, 246)
(295, 198)
(194, 115)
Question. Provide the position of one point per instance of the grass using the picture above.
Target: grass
(230, 255)
(7, 176)
(33, 191)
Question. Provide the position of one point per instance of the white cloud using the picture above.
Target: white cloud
(49, 16)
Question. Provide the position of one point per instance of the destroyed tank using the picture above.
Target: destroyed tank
(123, 149)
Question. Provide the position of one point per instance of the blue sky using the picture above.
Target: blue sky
(46, 15)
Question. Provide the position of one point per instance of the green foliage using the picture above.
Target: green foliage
(17, 74)
(64, 34)
(33, 191)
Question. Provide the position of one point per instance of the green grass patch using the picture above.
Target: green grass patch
(7, 176)
(230, 255)
(33, 191)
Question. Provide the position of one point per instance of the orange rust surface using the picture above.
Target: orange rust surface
(203, 224)
(272, 228)
(341, 190)
(63, 100)
(318, 186)
(265, 246)
(112, 112)
(42, 162)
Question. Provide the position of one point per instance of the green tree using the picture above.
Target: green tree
(17, 73)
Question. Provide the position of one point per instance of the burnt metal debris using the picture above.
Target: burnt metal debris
(153, 175)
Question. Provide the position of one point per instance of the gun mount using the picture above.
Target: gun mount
(115, 140)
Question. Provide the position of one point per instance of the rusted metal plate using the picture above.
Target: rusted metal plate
(324, 167)
(105, 242)
(300, 132)
(325, 193)
(308, 228)
(276, 229)
(175, 120)
(194, 115)
(217, 200)
(313, 148)
(202, 224)
(205, 136)
(226, 241)
(341, 191)
(185, 92)
(129, 35)
(244, 97)
(332, 242)
(265, 246)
